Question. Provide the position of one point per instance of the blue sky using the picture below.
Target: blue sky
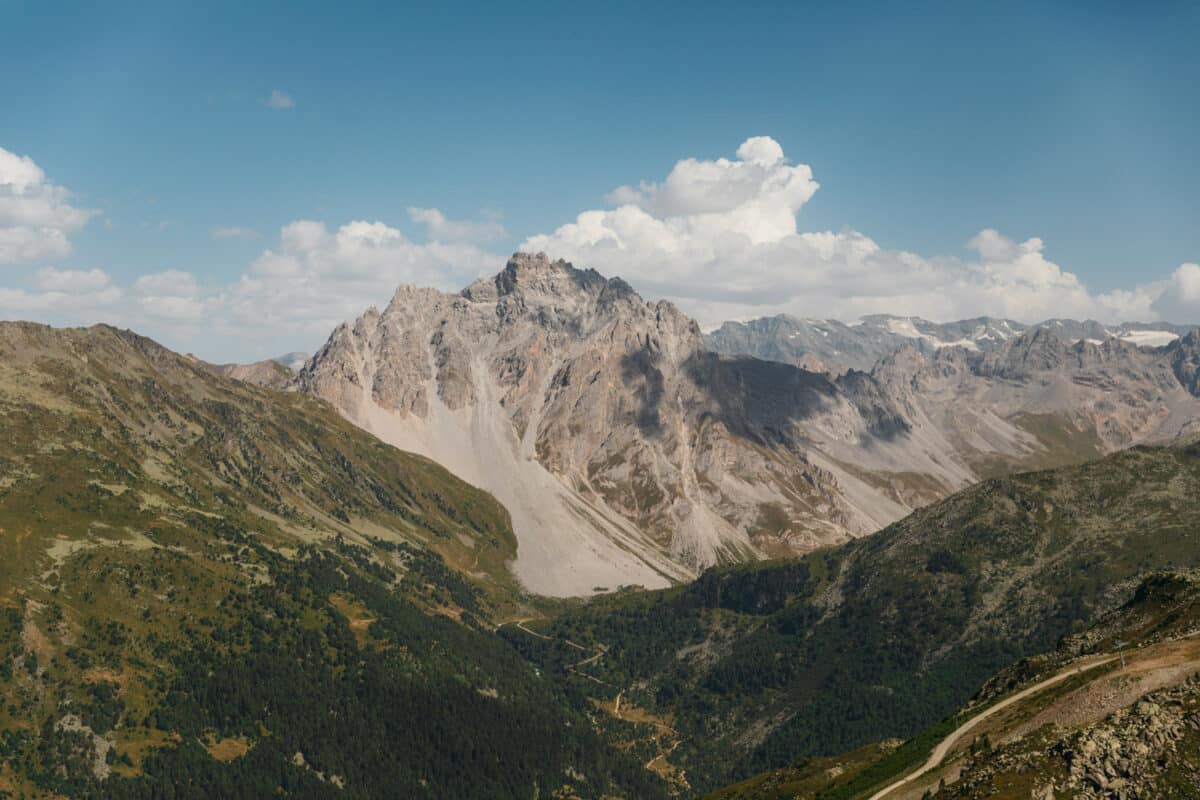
(924, 124)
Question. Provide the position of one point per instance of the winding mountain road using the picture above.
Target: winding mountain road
(601, 651)
(943, 747)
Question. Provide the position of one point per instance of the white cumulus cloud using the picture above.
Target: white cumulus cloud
(720, 237)
(755, 196)
(72, 281)
(171, 295)
(315, 278)
(1179, 298)
(59, 295)
(36, 216)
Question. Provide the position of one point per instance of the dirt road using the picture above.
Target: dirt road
(943, 747)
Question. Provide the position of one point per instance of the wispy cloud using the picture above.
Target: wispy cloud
(442, 229)
(232, 232)
(279, 101)
(72, 281)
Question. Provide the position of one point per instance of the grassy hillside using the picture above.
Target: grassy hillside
(209, 589)
(756, 666)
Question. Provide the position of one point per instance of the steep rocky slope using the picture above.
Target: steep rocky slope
(624, 451)
(629, 454)
(1080, 400)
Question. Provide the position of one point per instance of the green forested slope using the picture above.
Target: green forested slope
(758, 665)
(213, 590)
(1135, 703)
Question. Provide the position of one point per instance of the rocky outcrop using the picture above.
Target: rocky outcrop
(271, 373)
(1140, 751)
(1185, 361)
(1121, 755)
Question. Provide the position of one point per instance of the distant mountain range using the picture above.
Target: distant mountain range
(830, 345)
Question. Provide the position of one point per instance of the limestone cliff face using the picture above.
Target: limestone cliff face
(625, 452)
(1077, 399)
(628, 453)
(1185, 361)
(838, 346)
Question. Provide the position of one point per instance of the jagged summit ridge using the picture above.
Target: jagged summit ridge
(836, 346)
(535, 275)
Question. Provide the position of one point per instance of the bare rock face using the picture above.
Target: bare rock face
(859, 345)
(627, 453)
(1076, 399)
(1185, 361)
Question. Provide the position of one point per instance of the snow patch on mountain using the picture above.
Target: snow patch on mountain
(1148, 338)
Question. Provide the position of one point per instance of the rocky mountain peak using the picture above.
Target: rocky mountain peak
(407, 296)
(903, 362)
(1185, 360)
(365, 325)
(537, 279)
(536, 272)
(624, 452)
(1035, 350)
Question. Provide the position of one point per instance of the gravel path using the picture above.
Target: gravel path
(944, 746)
